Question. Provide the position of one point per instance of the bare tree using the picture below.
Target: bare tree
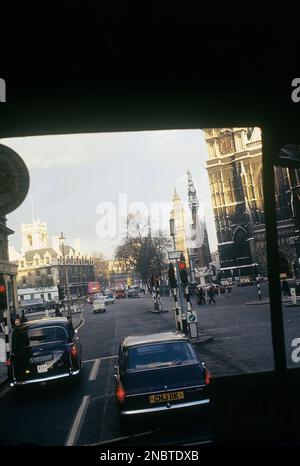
(100, 267)
(142, 251)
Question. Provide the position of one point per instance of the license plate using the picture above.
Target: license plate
(163, 397)
(42, 368)
(46, 357)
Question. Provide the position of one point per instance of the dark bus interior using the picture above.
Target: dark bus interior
(174, 82)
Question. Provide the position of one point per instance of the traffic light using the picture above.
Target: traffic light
(172, 279)
(182, 271)
(3, 303)
(61, 293)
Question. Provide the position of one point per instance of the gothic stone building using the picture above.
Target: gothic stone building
(41, 266)
(234, 169)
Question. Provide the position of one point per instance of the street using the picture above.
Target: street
(85, 414)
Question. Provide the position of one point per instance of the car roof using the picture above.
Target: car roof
(46, 321)
(136, 340)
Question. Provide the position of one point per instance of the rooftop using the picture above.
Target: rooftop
(154, 338)
(45, 321)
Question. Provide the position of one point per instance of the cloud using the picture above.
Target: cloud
(71, 174)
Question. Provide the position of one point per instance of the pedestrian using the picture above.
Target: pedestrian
(17, 320)
(57, 310)
(23, 317)
(211, 293)
(285, 287)
(201, 296)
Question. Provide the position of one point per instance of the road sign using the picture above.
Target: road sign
(175, 255)
(191, 317)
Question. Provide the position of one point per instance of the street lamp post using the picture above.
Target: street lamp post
(172, 233)
(66, 276)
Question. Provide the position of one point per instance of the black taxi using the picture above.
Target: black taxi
(158, 374)
(44, 350)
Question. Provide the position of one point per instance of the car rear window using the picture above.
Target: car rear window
(159, 355)
(36, 336)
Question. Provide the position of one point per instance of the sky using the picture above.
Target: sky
(77, 181)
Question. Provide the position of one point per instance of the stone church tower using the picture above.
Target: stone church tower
(34, 235)
(234, 169)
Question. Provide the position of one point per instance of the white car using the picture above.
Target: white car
(99, 305)
(109, 299)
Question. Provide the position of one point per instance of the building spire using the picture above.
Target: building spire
(192, 194)
(175, 195)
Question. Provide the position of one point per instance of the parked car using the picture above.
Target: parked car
(44, 350)
(159, 374)
(109, 299)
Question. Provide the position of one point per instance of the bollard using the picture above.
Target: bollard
(259, 291)
(293, 295)
(178, 322)
(6, 334)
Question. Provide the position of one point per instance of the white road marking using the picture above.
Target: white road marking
(76, 427)
(117, 439)
(94, 371)
(110, 357)
(82, 323)
(96, 359)
(199, 442)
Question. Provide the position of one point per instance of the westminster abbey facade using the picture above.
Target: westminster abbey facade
(235, 175)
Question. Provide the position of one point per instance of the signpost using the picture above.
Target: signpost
(174, 255)
(192, 324)
(294, 297)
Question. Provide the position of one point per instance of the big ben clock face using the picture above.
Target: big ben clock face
(226, 144)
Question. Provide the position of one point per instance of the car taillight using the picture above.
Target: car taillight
(120, 393)
(208, 377)
(73, 351)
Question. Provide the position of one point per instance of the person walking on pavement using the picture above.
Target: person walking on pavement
(57, 311)
(211, 295)
(201, 296)
(285, 288)
(17, 320)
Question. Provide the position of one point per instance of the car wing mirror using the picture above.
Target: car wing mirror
(76, 331)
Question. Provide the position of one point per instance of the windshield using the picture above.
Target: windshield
(160, 355)
(36, 336)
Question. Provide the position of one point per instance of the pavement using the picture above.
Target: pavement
(286, 301)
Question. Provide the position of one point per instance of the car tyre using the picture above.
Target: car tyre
(77, 379)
